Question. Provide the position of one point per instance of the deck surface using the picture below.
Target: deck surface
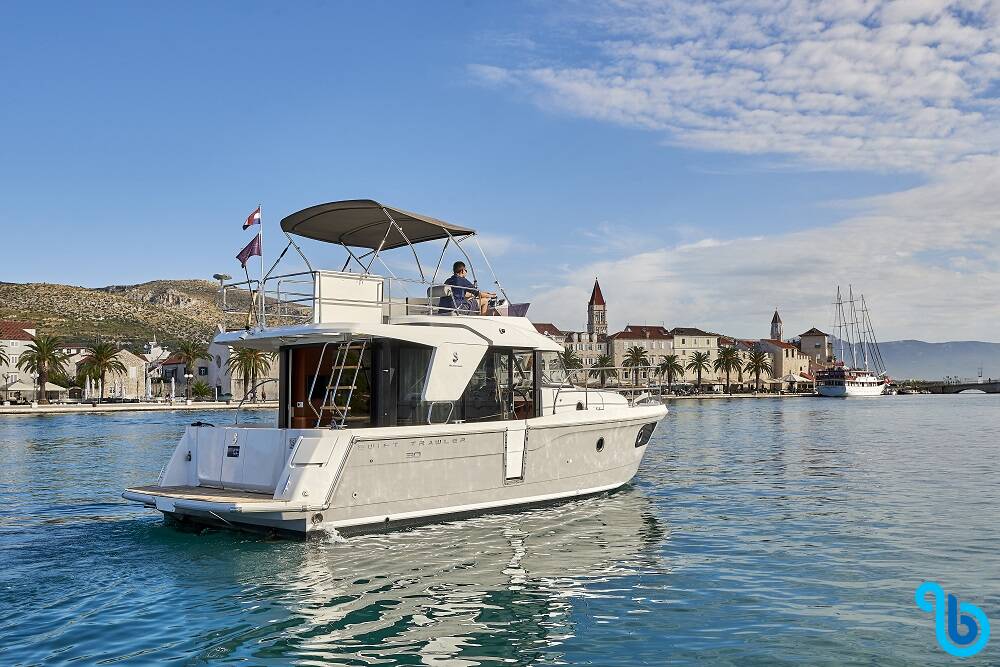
(205, 493)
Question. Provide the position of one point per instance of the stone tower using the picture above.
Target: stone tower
(776, 326)
(597, 312)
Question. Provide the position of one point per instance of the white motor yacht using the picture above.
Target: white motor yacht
(397, 403)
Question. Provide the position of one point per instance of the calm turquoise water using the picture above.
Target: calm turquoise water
(757, 532)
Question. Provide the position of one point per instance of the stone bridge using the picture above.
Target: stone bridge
(942, 388)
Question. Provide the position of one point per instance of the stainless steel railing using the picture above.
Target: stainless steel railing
(295, 298)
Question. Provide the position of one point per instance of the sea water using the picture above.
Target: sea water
(769, 531)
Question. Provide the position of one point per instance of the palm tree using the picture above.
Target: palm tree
(727, 361)
(604, 368)
(102, 359)
(190, 351)
(671, 367)
(250, 364)
(758, 363)
(636, 358)
(200, 389)
(4, 359)
(44, 354)
(570, 361)
(700, 363)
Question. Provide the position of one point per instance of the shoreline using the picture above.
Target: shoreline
(725, 396)
(87, 408)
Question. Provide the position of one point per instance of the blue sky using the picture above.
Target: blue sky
(137, 138)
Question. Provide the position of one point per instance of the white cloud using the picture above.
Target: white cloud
(902, 85)
(907, 86)
(928, 260)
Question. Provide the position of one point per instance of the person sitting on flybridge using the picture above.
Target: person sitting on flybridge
(465, 296)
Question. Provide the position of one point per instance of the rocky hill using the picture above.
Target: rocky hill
(169, 309)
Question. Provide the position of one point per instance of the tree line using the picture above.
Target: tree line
(46, 358)
(758, 363)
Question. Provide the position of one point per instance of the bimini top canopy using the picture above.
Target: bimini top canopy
(363, 223)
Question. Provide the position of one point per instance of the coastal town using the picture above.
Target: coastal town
(681, 360)
(690, 359)
(77, 372)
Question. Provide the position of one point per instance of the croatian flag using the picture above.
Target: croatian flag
(254, 219)
(252, 249)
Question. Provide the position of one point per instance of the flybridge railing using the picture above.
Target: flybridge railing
(335, 296)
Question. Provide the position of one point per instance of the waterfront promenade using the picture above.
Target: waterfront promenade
(83, 408)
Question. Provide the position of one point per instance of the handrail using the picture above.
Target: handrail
(277, 298)
(246, 395)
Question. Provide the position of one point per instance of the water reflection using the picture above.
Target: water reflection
(464, 593)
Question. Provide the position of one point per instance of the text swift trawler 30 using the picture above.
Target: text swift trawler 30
(400, 400)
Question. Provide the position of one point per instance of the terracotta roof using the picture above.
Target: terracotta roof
(813, 332)
(548, 329)
(641, 332)
(689, 331)
(14, 330)
(596, 298)
(776, 319)
(173, 359)
(779, 343)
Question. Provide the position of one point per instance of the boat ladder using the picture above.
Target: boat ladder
(337, 397)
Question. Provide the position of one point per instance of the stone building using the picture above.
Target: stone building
(15, 337)
(817, 346)
(129, 385)
(786, 358)
(213, 371)
(654, 339)
(687, 341)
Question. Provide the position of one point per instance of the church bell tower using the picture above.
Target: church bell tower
(776, 326)
(597, 312)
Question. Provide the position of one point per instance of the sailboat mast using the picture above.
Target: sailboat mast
(852, 338)
(839, 317)
(864, 331)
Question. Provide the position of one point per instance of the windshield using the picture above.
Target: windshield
(553, 371)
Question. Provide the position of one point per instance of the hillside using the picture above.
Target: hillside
(169, 309)
(932, 361)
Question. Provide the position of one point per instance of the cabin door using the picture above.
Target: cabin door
(513, 452)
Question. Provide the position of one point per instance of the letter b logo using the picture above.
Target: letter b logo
(961, 628)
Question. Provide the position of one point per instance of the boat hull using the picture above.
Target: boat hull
(384, 479)
(857, 391)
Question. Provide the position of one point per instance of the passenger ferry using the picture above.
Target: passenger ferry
(399, 402)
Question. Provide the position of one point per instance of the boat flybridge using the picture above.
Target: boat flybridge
(400, 402)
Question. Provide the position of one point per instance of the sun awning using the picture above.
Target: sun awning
(362, 223)
(793, 377)
(17, 385)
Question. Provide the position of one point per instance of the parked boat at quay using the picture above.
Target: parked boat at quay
(866, 376)
(398, 404)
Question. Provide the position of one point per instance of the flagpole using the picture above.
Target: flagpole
(260, 210)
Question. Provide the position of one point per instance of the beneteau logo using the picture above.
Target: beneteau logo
(949, 617)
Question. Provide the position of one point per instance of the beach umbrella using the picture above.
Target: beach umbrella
(173, 385)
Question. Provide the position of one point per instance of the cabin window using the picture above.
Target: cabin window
(327, 385)
(552, 370)
(412, 368)
(502, 388)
